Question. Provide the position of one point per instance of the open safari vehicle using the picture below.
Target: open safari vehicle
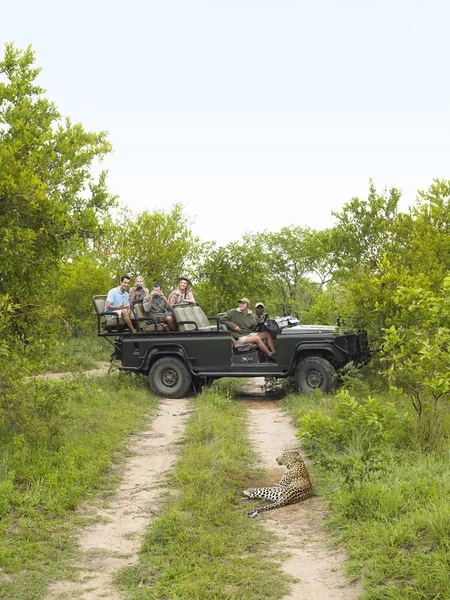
(201, 350)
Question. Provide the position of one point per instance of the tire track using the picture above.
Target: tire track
(318, 566)
(113, 543)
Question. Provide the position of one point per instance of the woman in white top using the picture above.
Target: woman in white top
(138, 291)
(183, 293)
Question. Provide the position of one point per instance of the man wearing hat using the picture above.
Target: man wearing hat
(243, 323)
(259, 309)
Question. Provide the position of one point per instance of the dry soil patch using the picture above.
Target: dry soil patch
(114, 543)
(300, 527)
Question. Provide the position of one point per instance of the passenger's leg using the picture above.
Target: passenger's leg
(126, 316)
(255, 339)
(170, 322)
(265, 335)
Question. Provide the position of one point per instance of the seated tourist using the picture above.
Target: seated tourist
(156, 305)
(243, 323)
(118, 302)
(183, 293)
(138, 291)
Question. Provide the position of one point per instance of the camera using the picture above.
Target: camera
(139, 287)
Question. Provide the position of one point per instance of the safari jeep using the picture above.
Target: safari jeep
(200, 350)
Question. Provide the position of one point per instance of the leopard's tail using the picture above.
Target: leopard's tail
(255, 512)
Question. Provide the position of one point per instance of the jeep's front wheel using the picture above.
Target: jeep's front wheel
(169, 377)
(314, 373)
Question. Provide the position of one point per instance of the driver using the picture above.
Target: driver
(242, 323)
(259, 309)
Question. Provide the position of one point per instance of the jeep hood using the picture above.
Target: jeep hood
(308, 329)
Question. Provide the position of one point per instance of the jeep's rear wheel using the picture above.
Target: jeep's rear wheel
(169, 377)
(314, 373)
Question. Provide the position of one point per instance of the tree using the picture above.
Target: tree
(422, 236)
(78, 279)
(229, 272)
(50, 202)
(417, 349)
(364, 230)
(158, 245)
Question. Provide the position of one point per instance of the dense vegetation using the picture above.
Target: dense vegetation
(385, 440)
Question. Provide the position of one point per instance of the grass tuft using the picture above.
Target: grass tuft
(62, 456)
(202, 545)
(396, 524)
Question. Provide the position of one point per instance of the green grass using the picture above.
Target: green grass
(75, 354)
(395, 525)
(202, 545)
(68, 435)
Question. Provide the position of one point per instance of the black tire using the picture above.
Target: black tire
(314, 373)
(169, 377)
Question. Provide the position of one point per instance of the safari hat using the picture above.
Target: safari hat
(259, 304)
(186, 279)
(245, 300)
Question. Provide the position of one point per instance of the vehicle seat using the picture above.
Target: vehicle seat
(146, 323)
(190, 317)
(109, 322)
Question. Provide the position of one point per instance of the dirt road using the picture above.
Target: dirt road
(114, 542)
(313, 561)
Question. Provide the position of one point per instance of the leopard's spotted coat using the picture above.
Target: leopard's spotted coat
(294, 486)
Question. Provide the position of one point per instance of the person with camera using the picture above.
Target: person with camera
(156, 305)
(138, 291)
(183, 293)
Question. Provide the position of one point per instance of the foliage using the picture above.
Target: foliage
(229, 272)
(417, 351)
(394, 526)
(422, 239)
(78, 280)
(272, 267)
(158, 245)
(288, 262)
(49, 200)
(364, 230)
(66, 436)
(354, 442)
(200, 546)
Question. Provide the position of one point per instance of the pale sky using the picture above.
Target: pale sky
(252, 114)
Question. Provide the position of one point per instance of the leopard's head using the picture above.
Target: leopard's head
(288, 457)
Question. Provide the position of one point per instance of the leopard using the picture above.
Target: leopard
(295, 485)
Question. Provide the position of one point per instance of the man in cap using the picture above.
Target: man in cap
(259, 309)
(242, 323)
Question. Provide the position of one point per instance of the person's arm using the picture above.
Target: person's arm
(132, 293)
(255, 323)
(109, 302)
(190, 297)
(226, 320)
(172, 298)
(147, 303)
(166, 302)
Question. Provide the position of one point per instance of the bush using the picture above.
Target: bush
(355, 442)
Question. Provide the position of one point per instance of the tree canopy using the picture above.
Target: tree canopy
(50, 201)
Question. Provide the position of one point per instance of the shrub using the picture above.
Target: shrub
(355, 442)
